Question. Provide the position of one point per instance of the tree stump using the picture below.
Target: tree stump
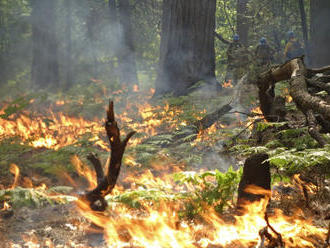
(256, 172)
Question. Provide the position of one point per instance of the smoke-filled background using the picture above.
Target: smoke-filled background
(65, 43)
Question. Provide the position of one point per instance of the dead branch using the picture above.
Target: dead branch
(209, 119)
(97, 166)
(106, 183)
(295, 71)
(219, 36)
(279, 240)
(318, 70)
(313, 128)
(318, 84)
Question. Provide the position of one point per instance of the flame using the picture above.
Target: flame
(55, 132)
(162, 227)
(15, 171)
(84, 171)
(227, 84)
(135, 88)
(6, 206)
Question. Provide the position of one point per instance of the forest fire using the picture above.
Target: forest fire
(55, 133)
(159, 225)
(58, 130)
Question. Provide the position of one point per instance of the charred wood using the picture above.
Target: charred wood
(295, 71)
(211, 118)
(105, 184)
(256, 172)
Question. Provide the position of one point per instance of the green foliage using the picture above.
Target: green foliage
(15, 106)
(294, 161)
(261, 126)
(136, 198)
(27, 197)
(211, 187)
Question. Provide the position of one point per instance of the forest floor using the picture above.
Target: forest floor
(186, 181)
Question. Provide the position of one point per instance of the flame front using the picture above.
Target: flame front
(159, 225)
(15, 171)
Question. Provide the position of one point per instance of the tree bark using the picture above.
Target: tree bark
(106, 183)
(256, 172)
(126, 54)
(304, 28)
(187, 45)
(92, 23)
(45, 68)
(295, 71)
(242, 22)
(320, 32)
(68, 55)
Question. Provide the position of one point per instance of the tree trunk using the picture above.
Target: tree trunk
(187, 45)
(320, 32)
(45, 69)
(242, 24)
(304, 28)
(256, 173)
(68, 55)
(126, 54)
(92, 23)
(3, 44)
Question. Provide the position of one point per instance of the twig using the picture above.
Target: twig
(219, 36)
(239, 134)
(247, 114)
(92, 157)
(279, 236)
(313, 128)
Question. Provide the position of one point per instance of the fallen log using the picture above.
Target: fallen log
(211, 118)
(106, 183)
(296, 72)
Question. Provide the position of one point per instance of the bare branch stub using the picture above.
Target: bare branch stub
(106, 183)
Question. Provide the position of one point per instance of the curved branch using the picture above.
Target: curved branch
(219, 36)
(296, 71)
(105, 185)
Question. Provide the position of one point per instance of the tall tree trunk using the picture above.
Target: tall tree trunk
(68, 55)
(45, 69)
(320, 32)
(92, 22)
(126, 53)
(187, 45)
(304, 27)
(3, 44)
(242, 24)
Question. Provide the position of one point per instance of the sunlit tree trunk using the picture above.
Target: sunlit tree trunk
(320, 32)
(45, 69)
(242, 21)
(187, 45)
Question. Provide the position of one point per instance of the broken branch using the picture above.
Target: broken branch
(106, 183)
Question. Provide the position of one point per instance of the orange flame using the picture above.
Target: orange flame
(227, 84)
(15, 171)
